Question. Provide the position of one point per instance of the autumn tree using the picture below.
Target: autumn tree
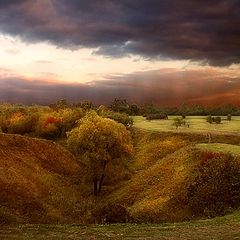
(123, 118)
(120, 105)
(99, 140)
(86, 105)
(209, 119)
(59, 104)
(177, 122)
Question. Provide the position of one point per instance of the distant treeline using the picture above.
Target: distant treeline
(119, 105)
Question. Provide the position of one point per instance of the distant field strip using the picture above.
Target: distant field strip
(220, 147)
(196, 124)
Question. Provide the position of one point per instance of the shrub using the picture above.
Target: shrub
(116, 116)
(216, 188)
(177, 122)
(111, 213)
(229, 117)
(20, 123)
(217, 120)
(209, 119)
(3, 124)
(49, 127)
(207, 156)
(70, 118)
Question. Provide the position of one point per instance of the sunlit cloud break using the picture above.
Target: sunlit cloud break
(166, 87)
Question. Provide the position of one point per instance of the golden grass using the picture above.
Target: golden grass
(40, 182)
(150, 149)
(37, 181)
(220, 147)
(150, 191)
(165, 164)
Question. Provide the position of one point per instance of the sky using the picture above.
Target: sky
(165, 52)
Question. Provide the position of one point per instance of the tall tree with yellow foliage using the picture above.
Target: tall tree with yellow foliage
(99, 140)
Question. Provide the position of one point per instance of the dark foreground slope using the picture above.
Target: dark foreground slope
(221, 229)
(38, 181)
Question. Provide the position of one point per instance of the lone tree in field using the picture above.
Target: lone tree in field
(177, 122)
(99, 140)
(209, 119)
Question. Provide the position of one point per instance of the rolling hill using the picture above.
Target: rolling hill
(41, 182)
(38, 181)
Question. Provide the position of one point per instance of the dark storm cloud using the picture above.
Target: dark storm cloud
(187, 29)
(163, 87)
(7, 3)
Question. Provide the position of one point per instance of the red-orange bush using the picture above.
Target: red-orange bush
(50, 120)
(208, 156)
(110, 213)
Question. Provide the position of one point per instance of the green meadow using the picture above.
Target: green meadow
(219, 147)
(221, 228)
(196, 124)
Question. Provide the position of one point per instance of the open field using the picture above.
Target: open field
(222, 228)
(220, 147)
(196, 124)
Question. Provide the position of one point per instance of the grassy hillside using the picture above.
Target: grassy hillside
(172, 177)
(166, 167)
(196, 124)
(41, 182)
(38, 181)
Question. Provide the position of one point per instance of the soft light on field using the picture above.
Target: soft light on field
(219, 147)
(196, 124)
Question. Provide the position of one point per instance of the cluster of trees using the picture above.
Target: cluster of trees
(97, 135)
(122, 106)
(199, 110)
(38, 121)
(51, 122)
(117, 116)
(216, 120)
(151, 110)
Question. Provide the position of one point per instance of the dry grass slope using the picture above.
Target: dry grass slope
(165, 165)
(37, 181)
(40, 182)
